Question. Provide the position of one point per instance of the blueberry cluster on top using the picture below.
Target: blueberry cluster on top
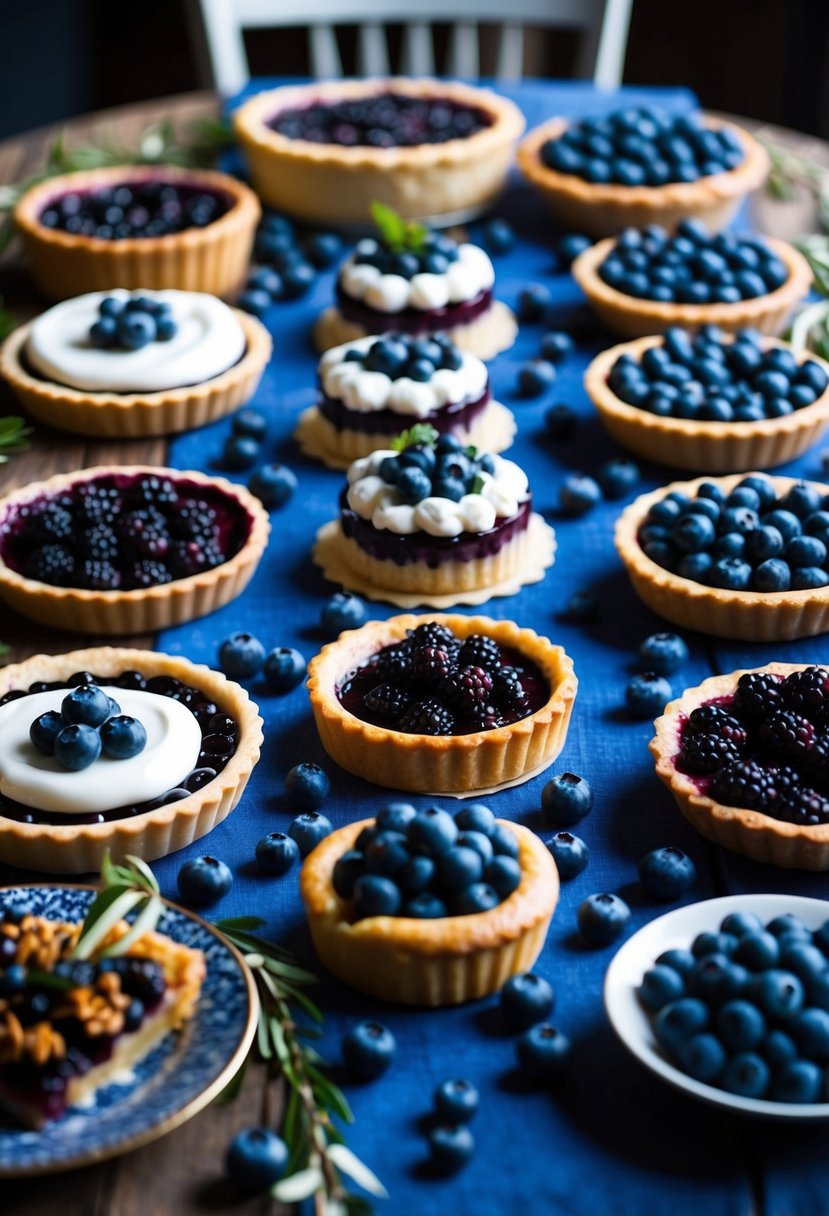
(706, 378)
(132, 324)
(643, 147)
(748, 540)
(388, 120)
(745, 1008)
(88, 722)
(402, 355)
(432, 255)
(428, 864)
(133, 210)
(691, 266)
(435, 466)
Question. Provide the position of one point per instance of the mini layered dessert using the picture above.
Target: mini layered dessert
(135, 364)
(372, 385)
(429, 522)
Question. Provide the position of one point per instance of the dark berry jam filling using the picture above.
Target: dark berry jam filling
(220, 737)
(412, 320)
(135, 209)
(388, 120)
(455, 416)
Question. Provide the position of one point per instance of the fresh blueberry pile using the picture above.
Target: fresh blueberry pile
(706, 378)
(428, 864)
(745, 1008)
(134, 210)
(691, 266)
(433, 256)
(643, 147)
(388, 120)
(438, 467)
(748, 540)
(401, 355)
(88, 722)
(766, 748)
(287, 263)
(132, 324)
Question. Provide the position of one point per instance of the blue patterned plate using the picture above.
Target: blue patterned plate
(175, 1081)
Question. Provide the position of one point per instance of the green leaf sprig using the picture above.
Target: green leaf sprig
(399, 235)
(126, 888)
(421, 433)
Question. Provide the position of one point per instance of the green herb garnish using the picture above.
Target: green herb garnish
(421, 433)
(399, 235)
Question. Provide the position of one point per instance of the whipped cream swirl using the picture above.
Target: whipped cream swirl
(463, 280)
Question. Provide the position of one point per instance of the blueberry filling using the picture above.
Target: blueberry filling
(447, 419)
(129, 210)
(388, 120)
(412, 320)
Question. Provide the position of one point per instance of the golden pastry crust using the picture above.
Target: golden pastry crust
(430, 962)
(718, 447)
(604, 209)
(212, 259)
(327, 183)
(133, 415)
(139, 611)
(79, 848)
(634, 318)
(445, 764)
(758, 836)
(750, 616)
(491, 333)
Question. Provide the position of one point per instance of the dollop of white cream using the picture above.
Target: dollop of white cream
(173, 744)
(463, 280)
(209, 339)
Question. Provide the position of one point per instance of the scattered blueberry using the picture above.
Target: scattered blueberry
(450, 1147)
(603, 918)
(647, 695)
(535, 377)
(582, 606)
(499, 236)
(570, 854)
(203, 880)
(663, 653)
(560, 421)
(251, 423)
(618, 477)
(276, 853)
(307, 785)
(566, 799)
(666, 874)
(256, 1158)
(273, 485)
(533, 301)
(241, 656)
(579, 494)
(368, 1049)
(543, 1052)
(343, 611)
(570, 246)
(284, 668)
(240, 453)
(556, 346)
(308, 829)
(525, 1000)
(456, 1100)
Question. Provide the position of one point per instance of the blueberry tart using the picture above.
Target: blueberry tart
(138, 227)
(371, 386)
(129, 364)
(429, 522)
(746, 756)
(127, 550)
(713, 401)
(635, 167)
(116, 749)
(429, 148)
(645, 280)
(444, 704)
(737, 557)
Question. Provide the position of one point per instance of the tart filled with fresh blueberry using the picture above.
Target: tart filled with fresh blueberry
(371, 386)
(445, 704)
(711, 401)
(429, 148)
(130, 364)
(127, 550)
(427, 521)
(639, 166)
(117, 749)
(646, 280)
(138, 227)
(746, 755)
(429, 908)
(736, 557)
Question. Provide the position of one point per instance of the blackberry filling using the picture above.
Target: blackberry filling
(130, 210)
(220, 737)
(389, 120)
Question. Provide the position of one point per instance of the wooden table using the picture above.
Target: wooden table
(178, 1174)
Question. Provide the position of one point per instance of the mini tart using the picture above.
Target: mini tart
(328, 183)
(444, 764)
(80, 848)
(635, 318)
(430, 962)
(719, 447)
(761, 837)
(143, 610)
(136, 415)
(749, 616)
(603, 209)
(213, 259)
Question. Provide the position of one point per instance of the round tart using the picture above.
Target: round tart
(430, 149)
(138, 227)
(371, 386)
(127, 550)
(434, 962)
(500, 729)
(645, 410)
(745, 757)
(715, 585)
(69, 838)
(591, 182)
(209, 367)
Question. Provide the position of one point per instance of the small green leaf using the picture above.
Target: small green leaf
(422, 432)
(107, 909)
(478, 484)
(239, 922)
(145, 922)
(415, 236)
(357, 1170)
(299, 1186)
(392, 226)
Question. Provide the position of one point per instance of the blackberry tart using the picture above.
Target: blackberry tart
(429, 148)
(370, 386)
(745, 756)
(63, 805)
(139, 227)
(127, 550)
(444, 704)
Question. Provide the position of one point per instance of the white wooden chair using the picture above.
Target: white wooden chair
(602, 24)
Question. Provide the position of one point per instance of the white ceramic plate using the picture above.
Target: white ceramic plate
(677, 929)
